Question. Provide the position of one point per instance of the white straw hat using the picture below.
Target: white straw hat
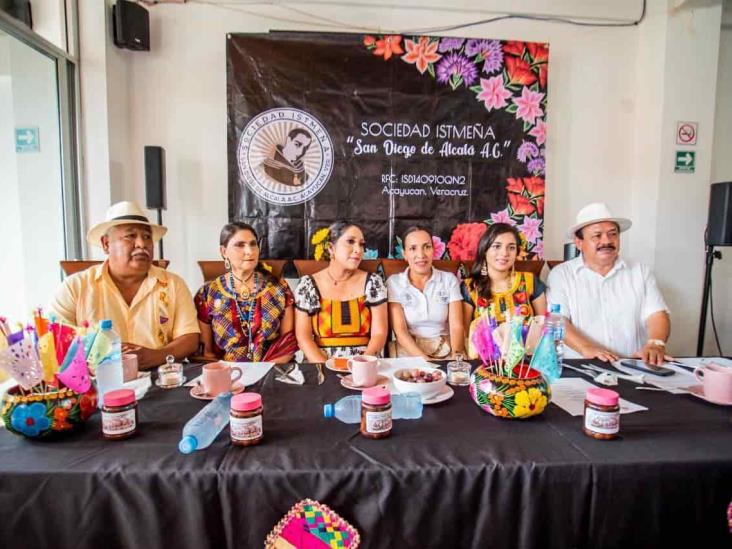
(123, 213)
(596, 213)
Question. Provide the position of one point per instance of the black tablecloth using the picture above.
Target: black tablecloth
(456, 478)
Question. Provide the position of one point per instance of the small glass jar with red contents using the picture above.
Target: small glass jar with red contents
(376, 412)
(119, 414)
(246, 419)
(602, 413)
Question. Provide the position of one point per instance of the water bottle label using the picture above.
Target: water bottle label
(246, 428)
(605, 423)
(378, 422)
(118, 423)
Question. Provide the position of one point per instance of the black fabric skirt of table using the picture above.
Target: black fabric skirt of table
(455, 478)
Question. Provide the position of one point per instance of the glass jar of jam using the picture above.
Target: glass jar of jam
(119, 414)
(246, 419)
(376, 412)
(602, 413)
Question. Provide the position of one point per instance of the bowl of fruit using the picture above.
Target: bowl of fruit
(423, 380)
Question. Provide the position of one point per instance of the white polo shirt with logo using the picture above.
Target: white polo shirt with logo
(426, 312)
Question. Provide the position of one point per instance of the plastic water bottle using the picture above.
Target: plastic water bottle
(110, 375)
(204, 427)
(555, 323)
(348, 409)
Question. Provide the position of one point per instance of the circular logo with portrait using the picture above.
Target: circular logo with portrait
(285, 156)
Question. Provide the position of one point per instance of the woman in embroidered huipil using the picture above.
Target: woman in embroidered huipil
(341, 310)
(246, 314)
(494, 287)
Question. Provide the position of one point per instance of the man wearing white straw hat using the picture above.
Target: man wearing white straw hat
(613, 307)
(151, 309)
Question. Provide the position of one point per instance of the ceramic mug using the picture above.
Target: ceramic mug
(129, 367)
(364, 370)
(218, 378)
(717, 381)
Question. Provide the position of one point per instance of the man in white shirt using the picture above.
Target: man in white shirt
(613, 307)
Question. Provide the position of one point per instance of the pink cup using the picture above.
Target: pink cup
(129, 367)
(717, 382)
(364, 370)
(218, 378)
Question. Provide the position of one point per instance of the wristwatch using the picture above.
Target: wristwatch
(656, 342)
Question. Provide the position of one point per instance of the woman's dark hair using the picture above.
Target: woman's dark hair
(415, 229)
(482, 283)
(337, 229)
(228, 232)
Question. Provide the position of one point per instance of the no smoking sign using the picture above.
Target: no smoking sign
(686, 133)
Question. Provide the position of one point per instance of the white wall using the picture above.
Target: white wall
(614, 96)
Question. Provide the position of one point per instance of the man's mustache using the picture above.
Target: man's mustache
(606, 247)
(141, 252)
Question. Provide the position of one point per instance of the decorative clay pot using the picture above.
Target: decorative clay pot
(510, 397)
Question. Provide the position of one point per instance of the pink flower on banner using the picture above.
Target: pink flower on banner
(529, 105)
(438, 247)
(539, 131)
(503, 217)
(493, 93)
(538, 249)
(530, 228)
(421, 53)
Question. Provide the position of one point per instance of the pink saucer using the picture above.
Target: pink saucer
(347, 382)
(197, 391)
(698, 391)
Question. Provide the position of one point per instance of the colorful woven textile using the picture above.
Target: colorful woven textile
(312, 525)
(216, 304)
(524, 289)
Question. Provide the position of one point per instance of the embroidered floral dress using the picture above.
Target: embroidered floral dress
(525, 289)
(216, 304)
(341, 328)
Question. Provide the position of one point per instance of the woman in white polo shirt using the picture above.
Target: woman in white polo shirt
(425, 308)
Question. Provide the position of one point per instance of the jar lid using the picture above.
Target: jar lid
(246, 401)
(376, 396)
(603, 397)
(120, 397)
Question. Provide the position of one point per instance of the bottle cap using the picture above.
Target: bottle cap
(603, 397)
(106, 324)
(187, 444)
(328, 410)
(556, 308)
(120, 397)
(246, 401)
(376, 396)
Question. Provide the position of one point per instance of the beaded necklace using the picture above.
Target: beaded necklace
(246, 321)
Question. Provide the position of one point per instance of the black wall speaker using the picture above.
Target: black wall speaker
(719, 223)
(131, 24)
(155, 177)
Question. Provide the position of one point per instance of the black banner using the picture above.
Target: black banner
(385, 131)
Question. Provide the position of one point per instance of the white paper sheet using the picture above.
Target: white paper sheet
(253, 372)
(569, 394)
(677, 384)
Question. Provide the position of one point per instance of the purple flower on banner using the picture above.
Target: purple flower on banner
(457, 65)
(538, 249)
(449, 44)
(539, 131)
(527, 151)
(503, 217)
(537, 166)
(474, 47)
(493, 57)
(529, 105)
(530, 228)
(493, 93)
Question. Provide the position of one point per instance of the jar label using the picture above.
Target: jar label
(378, 422)
(246, 428)
(604, 423)
(118, 423)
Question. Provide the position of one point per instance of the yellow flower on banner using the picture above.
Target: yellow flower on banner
(47, 354)
(529, 403)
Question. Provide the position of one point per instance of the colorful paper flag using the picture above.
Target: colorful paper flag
(47, 354)
(76, 375)
(21, 362)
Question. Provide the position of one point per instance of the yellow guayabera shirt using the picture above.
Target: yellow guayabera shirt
(161, 311)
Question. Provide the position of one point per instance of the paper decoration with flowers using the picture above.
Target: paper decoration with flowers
(503, 75)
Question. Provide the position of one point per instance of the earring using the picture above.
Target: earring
(484, 268)
(227, 264)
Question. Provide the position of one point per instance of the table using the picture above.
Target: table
(456, 478)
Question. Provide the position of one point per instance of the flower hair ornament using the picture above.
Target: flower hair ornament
(320, 241)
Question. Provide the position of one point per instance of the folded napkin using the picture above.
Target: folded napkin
(295, 373)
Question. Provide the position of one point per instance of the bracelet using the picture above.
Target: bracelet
(656, 342)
